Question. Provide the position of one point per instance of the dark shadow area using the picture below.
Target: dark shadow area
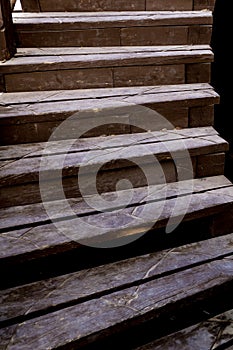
(221, 75)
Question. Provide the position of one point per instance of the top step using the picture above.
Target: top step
(120, 5)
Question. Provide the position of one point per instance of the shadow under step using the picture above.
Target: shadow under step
(36, 69)
(113, 28)
(34, 116)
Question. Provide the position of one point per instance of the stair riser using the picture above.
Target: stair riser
(136, 75)
(203, 165)
(121, 5)
(41, 131)
(136, 36)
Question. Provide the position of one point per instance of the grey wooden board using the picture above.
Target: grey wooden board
(101, 228)
(17, 98)
(14, 152)
(114, 312)
(102, 20)
(210, 334)
(56, 292)
(50, 106)
(109, 157)
(79, 58)
(33, 214)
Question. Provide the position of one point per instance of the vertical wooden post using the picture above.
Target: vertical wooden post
(7, 35)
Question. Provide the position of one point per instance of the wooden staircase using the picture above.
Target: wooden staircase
(116, 217)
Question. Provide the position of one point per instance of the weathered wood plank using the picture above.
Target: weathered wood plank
(14, 217)
(27, 169)
(14, 152)
(56, 59)
(7, 34)
(210, 334)
(39, 241)
(31, 117)
(82, 285)
(77, 324)
(87, 70)
(12, 99)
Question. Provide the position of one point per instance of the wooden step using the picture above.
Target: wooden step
(113, 29)
(62, 311)
(78, 68)
(33, 116)
(165, 156)
(110, 5)
(216, 331)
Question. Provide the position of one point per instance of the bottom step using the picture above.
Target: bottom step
(94, 305)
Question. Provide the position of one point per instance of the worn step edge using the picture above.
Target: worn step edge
(55, 59)
(101, 228)
(110, 155)
(89, 20)
(47, 106)
(33, 214)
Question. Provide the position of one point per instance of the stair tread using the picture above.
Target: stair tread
(51, 105)
(86, 284)
(34, 60)
(119, 309)
(93, 19)
(45, 238)
(111, 151)
(32, 214)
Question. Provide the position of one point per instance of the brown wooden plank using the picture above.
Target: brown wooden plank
(7, 35)
(30, 5)
(204, 4)
(77, 324)
(198, 73)
(86, 284)
(213, 164)
(39, 241)
(201, 116)
(210, 334)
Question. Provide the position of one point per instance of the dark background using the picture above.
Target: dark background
(222, 42)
